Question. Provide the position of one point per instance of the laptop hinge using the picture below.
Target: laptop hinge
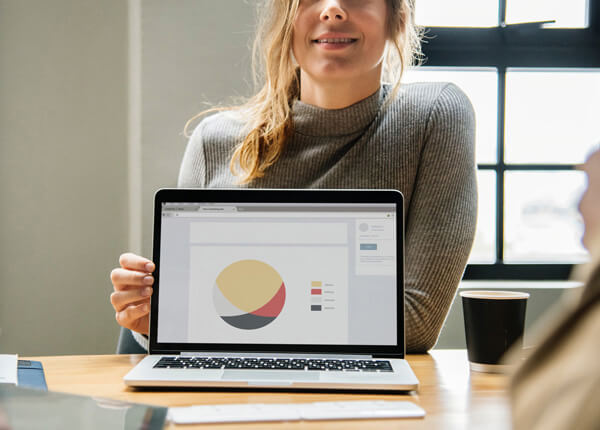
(273, 354)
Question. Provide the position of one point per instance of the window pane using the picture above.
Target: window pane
(444, 13)
(551, 116)
(567, 14)
(481, 86)
(542, 223)
(484, 248)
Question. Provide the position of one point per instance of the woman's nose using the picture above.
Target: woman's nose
(333, 11)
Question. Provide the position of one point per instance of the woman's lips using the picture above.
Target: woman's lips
(334, 43)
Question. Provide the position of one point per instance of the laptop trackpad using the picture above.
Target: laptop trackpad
(270, 375)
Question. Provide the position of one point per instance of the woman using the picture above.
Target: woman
(323, 119)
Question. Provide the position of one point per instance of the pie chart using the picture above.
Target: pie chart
(249, 294)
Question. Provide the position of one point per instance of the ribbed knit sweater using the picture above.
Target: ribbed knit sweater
(422, 143)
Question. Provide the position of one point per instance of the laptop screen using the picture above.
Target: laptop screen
(277, 273)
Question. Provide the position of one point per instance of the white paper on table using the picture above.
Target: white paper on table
(8, 369)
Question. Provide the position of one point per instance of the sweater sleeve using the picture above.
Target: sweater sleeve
(441, 217)
(141, 339)
(192, 172)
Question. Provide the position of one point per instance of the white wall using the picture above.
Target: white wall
(63, 148)
(78, 164)
(195, 53)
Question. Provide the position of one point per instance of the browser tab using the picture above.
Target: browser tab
(217, 209)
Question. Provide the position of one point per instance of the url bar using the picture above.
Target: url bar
(221, 215)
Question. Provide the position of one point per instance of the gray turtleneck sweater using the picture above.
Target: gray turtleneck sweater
(422, 143)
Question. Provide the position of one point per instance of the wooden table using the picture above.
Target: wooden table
(452, 396)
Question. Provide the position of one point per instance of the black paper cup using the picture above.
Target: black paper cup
(494, 322)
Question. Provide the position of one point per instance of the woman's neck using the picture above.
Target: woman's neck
(337, 94)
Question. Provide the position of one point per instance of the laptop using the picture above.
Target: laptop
(298, 289)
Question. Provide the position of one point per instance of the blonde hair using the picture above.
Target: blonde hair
(268, 114)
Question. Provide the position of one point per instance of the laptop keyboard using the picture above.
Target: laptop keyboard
(274, 363)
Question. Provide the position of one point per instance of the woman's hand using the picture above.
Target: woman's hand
(132, 283)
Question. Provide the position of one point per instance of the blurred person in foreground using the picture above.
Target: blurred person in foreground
(558, 386)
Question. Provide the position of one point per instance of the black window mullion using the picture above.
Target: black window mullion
(520, 272)
(594, 16)
(501, 166)
(514, 47)
(501, 12)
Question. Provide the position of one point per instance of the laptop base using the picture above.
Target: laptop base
(144, 374)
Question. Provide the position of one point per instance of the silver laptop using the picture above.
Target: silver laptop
(277, 289)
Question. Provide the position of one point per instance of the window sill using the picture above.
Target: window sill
(514, 285)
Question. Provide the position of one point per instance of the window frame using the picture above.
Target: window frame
(504, 47)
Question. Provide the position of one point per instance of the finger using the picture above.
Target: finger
(142, 325)
(128, 317)
(123, 277)
(132, 261)
(121, 299)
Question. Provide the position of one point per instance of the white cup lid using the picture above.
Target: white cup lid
(494, 295)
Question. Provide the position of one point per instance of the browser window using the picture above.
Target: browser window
(269, 273)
